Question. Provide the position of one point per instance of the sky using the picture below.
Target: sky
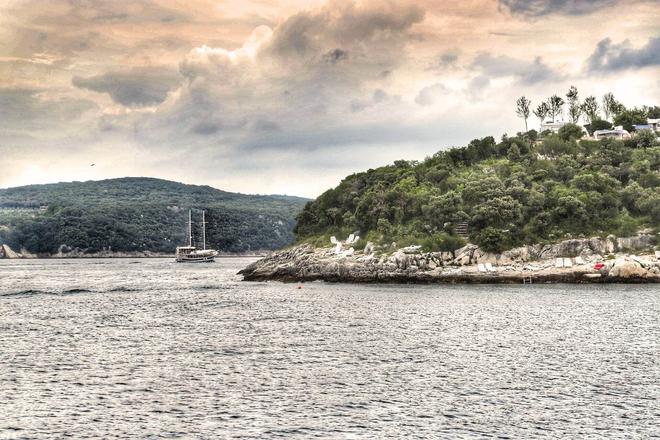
(289, 97)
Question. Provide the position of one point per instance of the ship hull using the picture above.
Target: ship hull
(196, 260)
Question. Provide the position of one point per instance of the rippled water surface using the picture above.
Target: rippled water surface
(148, 348)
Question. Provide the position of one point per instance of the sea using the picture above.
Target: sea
(147, 348)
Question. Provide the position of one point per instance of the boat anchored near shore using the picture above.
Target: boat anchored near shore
(190, 253)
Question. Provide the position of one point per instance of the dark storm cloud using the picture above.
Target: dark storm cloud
(136, 88)
(609, 57)
(304, 33)
(526, 72)
(538, 8)
(335, 56)
(307, 72)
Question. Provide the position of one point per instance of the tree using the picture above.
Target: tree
(628, 118)
(542, 111)
(574, 109)
(598, 124)
(522, 109)
(590, 108)
(492, 240)
(570, 132)
(553, 146)
(646, 138)
(556, 104)
(531, 135)
(514, 153)
(654, 112)
(384, 226)
(442, 242)
(609, 105)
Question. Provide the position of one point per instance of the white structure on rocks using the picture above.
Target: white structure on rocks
(339, 245)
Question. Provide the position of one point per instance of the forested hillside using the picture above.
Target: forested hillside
(516, 191)
(140, 214)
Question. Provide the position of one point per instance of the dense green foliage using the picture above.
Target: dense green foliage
(628, 118)
(510, 193)
(138, 214)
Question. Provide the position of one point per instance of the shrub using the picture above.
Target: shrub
(442, 242)
(570, 132)
(646, 138)
(493, 240)
(598, 124)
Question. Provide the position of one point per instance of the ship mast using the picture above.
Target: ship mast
(203, 231)
(190, 227)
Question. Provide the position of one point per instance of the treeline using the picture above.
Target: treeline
(511, 192)
(136, 214)
(588, 110)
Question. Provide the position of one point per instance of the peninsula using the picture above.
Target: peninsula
(556, 207)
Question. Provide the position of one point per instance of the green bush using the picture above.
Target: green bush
(493, 240)
(442, 242)
(570, 132)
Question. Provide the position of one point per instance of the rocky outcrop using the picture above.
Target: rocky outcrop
(535, 263)
(7, 252)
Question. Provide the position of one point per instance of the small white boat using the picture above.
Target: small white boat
(190, 253)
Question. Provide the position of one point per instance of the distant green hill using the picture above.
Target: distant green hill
(138, 214)
(517, 191)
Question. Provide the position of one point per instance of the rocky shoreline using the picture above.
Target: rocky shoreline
(624, 260)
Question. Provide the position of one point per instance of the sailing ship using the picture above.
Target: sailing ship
(190, 253)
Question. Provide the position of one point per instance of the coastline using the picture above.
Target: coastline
(529, 264)
(7, 253)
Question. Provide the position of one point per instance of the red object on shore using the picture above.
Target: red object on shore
(599, 266)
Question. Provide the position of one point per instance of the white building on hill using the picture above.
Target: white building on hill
(552, 126)
(615, 133)
(555, 126)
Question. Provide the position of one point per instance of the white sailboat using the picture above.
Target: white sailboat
(190, 253)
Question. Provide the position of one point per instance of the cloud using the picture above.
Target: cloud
(375, 80)
(134, 88)
(526, 72)
(135, 12)
(336, 56)
(28, 110)
(538, 8)
(379, 97)
(304, 73)
(609, 57)
(444, 61)
(345, 24)
(448, 59)
(430, 94)
(477, 86)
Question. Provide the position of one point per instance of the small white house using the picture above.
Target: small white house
(615, 133)
(655, 124)
(555, 126)
(552, 126)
